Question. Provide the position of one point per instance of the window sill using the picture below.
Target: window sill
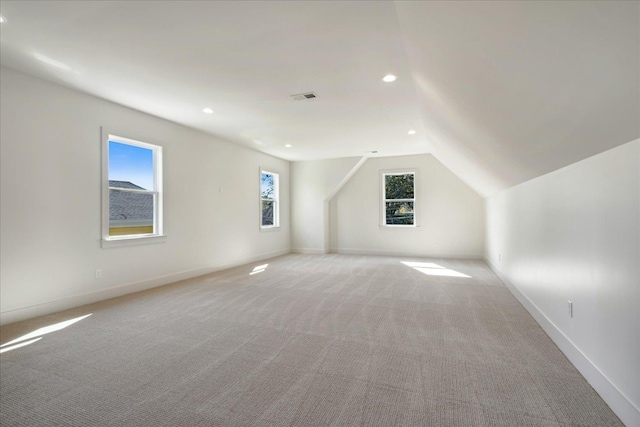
(270, 228)
(115, 242)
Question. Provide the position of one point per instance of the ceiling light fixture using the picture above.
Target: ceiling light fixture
(412, 132)
(287, 146)
(2, 19)
(389, 78)
(207, 110)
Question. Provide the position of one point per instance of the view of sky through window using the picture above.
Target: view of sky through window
(266, 186)
(131, 163)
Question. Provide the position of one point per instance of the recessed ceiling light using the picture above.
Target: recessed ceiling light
(207, 110)
(2, 19)
(389, 78)
(412, 132)
(287, 146)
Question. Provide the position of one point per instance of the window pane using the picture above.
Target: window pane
(268, 210)
(131, 164)
(130, 213)
(267, 186)
(398, 186)
(399, 213)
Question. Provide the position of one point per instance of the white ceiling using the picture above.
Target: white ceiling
(500, 92)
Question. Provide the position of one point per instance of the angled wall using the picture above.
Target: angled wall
(574, 235)
(449, 214)
(312, 183)
(50, 201)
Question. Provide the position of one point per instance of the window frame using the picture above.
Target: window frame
(275, 200)
(157, 236)
(384, 200)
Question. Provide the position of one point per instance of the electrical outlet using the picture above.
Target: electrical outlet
(98, 273)
(570, 308)
(499, 257)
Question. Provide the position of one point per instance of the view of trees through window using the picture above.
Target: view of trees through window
(269, 199)
(399, 198)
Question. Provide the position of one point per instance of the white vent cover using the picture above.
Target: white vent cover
(303, 96)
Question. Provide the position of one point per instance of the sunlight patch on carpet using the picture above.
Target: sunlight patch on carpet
(39, 333)
(259, 269)
(431, 269)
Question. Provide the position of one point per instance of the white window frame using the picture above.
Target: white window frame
(158, 235)
(275, 200)
(384, 200)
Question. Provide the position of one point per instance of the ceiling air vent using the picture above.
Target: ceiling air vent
(303, 96)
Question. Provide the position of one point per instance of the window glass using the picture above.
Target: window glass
(134, 189)
(129, 163)
(399, 199)
(269, 199)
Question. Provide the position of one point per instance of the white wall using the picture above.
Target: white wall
(574, 235)
(312, 182)
(450, 215)
(50, 201)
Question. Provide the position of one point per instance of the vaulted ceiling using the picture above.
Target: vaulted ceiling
(500, 92)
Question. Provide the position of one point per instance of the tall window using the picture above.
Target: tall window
(399, 198)
(269, 200)
(133, 189)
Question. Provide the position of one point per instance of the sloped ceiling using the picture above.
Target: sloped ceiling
(509, 91)
(500, 92)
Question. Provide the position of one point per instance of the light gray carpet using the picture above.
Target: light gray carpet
(308, 341)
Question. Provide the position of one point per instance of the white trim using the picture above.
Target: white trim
(384, 200)
(309, 251)
(275, 200)
(133, 190)
(104, 188)
(268, 228)
(133, 239)
(23, 313)
(617, 401)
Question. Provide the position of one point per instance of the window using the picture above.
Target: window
(132, 189)
(399, 198)
(269, 204)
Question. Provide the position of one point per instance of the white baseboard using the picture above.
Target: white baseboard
(309, 251)
(23, 313)
(617, 401)
(356, 251)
